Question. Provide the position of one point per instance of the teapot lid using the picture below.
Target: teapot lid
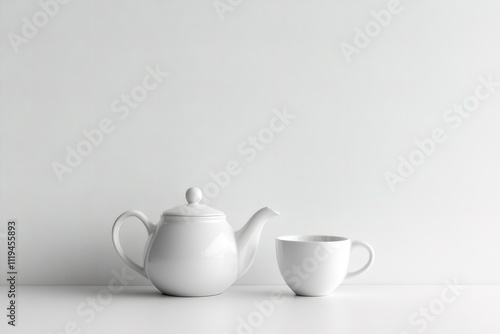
(193, 208)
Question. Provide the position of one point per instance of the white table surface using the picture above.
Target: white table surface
(366, 309)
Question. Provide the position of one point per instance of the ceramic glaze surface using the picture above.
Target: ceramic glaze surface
(193, 251)
(316, 265)
(192, 258)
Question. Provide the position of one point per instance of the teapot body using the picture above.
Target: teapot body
(192, 256)
(193, 251)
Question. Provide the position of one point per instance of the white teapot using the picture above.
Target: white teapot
(193, 251)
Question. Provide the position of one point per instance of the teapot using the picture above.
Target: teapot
(193, 251)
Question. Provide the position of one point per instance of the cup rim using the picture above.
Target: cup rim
(311, 238)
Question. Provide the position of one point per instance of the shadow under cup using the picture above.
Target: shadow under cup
(315, 265)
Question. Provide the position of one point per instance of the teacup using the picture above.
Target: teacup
(315, 265)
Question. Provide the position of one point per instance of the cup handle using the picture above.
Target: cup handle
(116, 237)
(367, 266)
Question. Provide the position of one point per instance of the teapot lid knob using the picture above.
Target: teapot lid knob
(194, 208)
(193, 195)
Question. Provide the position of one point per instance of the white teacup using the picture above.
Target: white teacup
(315, 265)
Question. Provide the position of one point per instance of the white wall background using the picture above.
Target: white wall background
(324, 173)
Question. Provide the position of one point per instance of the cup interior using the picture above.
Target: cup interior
(311, 238)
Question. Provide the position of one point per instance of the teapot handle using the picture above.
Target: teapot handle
(116, 237)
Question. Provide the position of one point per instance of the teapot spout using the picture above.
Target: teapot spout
(248, 237)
